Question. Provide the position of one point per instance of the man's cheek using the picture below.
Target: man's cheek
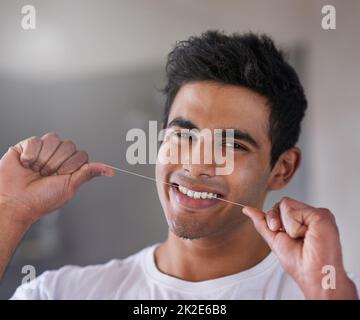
(169, 154)
(226, 165)
(162, 174)
(249, 184)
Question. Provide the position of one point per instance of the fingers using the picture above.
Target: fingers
(49, 155)
(66, 149)
(76, 161)
(259, 219)
(87, 172)
(290, 203)
(273, 218)
(289, 215)
(29, 150)
(293, 214)
(50, 142)
(293, 223)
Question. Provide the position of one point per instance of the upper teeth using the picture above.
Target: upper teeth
(197, 194)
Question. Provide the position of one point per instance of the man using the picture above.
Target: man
(215, 249)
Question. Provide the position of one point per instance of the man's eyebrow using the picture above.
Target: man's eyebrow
(182, 123)
(242, 135)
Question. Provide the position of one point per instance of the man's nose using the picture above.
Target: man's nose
(199, 159)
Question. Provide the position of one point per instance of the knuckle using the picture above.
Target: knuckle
(51, 135)
(328, 214)
(18, 148)
(69, 146)
(285, 203)
(320, 215)
(325, 217)
(83, 156)
(285, 200)
(34, 140)
(27, 157)
(325, 213)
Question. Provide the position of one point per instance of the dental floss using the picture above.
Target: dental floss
(157, 180)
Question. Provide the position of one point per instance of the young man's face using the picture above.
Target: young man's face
(216, 106)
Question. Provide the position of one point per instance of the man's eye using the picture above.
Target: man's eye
(184, 135)
(234, 145)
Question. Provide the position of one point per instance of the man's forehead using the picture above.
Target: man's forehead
(213, 106)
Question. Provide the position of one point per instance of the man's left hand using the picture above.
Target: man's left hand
(305, 239)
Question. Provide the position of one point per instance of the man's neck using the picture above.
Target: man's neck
(213, 257)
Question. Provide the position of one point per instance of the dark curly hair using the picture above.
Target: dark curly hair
(247, 60)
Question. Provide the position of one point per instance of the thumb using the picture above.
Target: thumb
(89, 171)
(260, 224)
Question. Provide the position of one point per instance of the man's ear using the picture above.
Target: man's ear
(284, 169)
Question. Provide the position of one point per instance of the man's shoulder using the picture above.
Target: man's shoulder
(74, 281)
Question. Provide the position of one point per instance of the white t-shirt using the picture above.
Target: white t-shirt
(137, 277)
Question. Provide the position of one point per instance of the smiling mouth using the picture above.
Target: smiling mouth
(194, 199)
(193, 194)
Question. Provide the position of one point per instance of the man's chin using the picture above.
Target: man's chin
(186, 231)
(186, 235)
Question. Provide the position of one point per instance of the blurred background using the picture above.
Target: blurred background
(92, 70)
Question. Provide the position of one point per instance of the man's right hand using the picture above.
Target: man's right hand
(40, 174)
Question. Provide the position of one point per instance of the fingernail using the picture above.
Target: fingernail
(107, 173)
(272, 224)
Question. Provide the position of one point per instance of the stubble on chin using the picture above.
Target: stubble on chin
(189, 230)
